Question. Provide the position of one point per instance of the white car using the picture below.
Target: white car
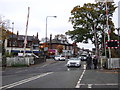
(60, 58)
(76, 62)
(83, 57)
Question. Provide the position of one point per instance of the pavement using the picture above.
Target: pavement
(48, 61)
(51, 61)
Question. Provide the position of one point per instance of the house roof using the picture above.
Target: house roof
(22, 37)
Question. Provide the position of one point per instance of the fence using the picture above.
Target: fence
(13, 61)
(19, 61)
(114, 63)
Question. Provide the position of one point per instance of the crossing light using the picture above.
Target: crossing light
(112, 44)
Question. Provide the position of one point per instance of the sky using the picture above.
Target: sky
(16, 11)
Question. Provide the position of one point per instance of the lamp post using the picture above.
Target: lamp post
(12, 36)
(46, 48)
(46, 25)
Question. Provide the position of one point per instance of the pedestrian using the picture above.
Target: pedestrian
(95, 62)
(89, 62)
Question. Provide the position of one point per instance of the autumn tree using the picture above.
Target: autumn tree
(4, 33)
(60, 49)
(90, 21)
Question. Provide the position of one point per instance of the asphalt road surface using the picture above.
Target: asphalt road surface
(57, 75)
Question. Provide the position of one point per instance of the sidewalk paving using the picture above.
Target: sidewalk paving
(48, 61)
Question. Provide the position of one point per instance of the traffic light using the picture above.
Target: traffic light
(112, 44)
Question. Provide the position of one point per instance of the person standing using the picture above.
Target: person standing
(89, 62)
(95, 62)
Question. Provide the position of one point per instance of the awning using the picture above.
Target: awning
(17, 51)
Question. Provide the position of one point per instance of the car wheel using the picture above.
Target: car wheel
(68, 66)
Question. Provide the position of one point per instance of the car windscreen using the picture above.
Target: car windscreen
(74, 59)
(57, 56)
(83, 55)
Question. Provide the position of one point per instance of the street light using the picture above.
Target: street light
(12, 36)
(46, 25)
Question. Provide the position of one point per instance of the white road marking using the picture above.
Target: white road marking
(68, 69)
(78, 83)
(107, 84)
(89, 85)
(25, 81)
(84, 66)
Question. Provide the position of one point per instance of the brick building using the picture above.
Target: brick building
(15, 44)
(68, 49)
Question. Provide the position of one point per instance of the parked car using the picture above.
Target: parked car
(83, 57)
(60, 58)
(76, 62)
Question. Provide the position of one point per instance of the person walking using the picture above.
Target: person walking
(89, 62)
(95, 62)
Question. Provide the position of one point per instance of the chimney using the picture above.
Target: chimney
(37, 34)
(17, 33)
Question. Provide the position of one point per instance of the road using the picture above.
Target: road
(57, 75)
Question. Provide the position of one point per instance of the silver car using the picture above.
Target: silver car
(76, 62)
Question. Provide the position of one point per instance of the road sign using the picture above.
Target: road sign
(112, 44)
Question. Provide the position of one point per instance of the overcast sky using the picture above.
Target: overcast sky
(16, 11)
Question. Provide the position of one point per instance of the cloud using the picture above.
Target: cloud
(16, 11)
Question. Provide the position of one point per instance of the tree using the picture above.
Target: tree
(61, 37)
(4, 33)
(60, 49)
(90, 21)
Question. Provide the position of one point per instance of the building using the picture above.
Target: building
(68, 49)
(15, 44)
